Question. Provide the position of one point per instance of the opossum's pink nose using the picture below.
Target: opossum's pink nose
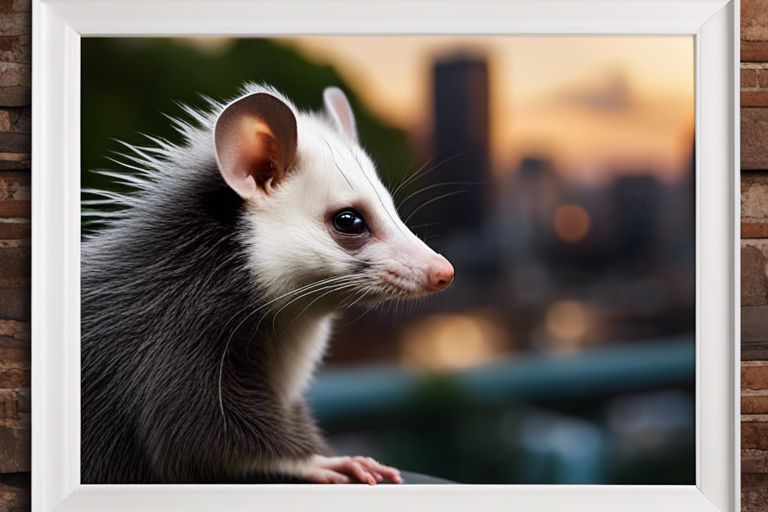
(440, 274)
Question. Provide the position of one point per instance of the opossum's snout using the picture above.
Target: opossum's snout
(439, 274)
(409, 268)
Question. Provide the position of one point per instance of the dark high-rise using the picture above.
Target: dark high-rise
(461, 132)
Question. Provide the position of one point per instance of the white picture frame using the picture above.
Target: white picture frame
(58, 26)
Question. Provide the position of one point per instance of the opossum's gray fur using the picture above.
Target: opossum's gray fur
(164, 285)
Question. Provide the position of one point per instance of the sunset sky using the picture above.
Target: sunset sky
(594, 104)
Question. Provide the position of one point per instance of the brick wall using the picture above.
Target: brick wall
(754, 254)
(15, 29)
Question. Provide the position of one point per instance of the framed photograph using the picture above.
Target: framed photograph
(346, 255)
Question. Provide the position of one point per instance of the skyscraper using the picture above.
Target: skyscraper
(461, 132)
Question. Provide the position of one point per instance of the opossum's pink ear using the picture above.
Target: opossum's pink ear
(255, 142)
(338, 109)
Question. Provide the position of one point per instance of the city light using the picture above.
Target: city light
(450, 341)
(571, 223)
(569, 321)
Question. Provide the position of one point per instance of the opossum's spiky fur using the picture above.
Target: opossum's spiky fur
(157, 405)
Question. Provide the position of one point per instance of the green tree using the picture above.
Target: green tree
(129, 84)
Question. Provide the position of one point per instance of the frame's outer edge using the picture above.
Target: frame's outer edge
(55, 360)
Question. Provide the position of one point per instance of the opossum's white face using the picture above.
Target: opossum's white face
(320, 222)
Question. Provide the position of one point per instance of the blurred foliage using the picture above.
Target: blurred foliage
(129, 84)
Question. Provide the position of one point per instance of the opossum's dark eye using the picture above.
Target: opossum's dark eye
(350, 222)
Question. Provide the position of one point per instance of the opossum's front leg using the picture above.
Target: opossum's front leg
(341, 470)
(325, 468)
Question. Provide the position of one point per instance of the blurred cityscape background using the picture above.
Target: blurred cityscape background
(556, 174)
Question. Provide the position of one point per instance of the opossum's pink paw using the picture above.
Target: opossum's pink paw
(354, 469)
(325, 476)
(380, 471)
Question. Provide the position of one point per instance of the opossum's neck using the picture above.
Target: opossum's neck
(297, 347)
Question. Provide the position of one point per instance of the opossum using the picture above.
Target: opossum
(208, 298)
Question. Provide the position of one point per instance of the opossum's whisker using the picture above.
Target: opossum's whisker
(360, 295)
(318, 283)
(332, 290)
(425, 225)
(427, 203)
(423, 172)
(362, 315)
(391, 185)
(337, 284)
(336, 164)
(408, 179)
(443, 184)
(352, 280)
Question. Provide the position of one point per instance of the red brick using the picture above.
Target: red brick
(14, 492)
(14, 304)
(14, 378)
(754, 375)
(14, 368)
(15, 6)
(754, 404)
(14, 357)
(15, 209)
(748, 76)
(753, 278)
(15, 49)
(15, 120)
(14, 142)
(754, 197)
(754, 492)
(757, 98)
(16, 24)
(14, 445)
(15, 186)
(762, 78)
(754, 435)
(15, 265)
(13, 74)
(754, 134)
(754, 51)
(754, 461)
(14, 230)
(9, 404)
(14, 329)
(753, 178)
(749, 229)
(22, 6)
(15, 96)
(754, 20)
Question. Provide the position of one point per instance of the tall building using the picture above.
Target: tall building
(461, 132)
(637, 204)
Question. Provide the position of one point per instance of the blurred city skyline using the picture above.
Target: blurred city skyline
(594, 105)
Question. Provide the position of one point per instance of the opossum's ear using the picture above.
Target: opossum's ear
(338, 109)
(255, 143)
